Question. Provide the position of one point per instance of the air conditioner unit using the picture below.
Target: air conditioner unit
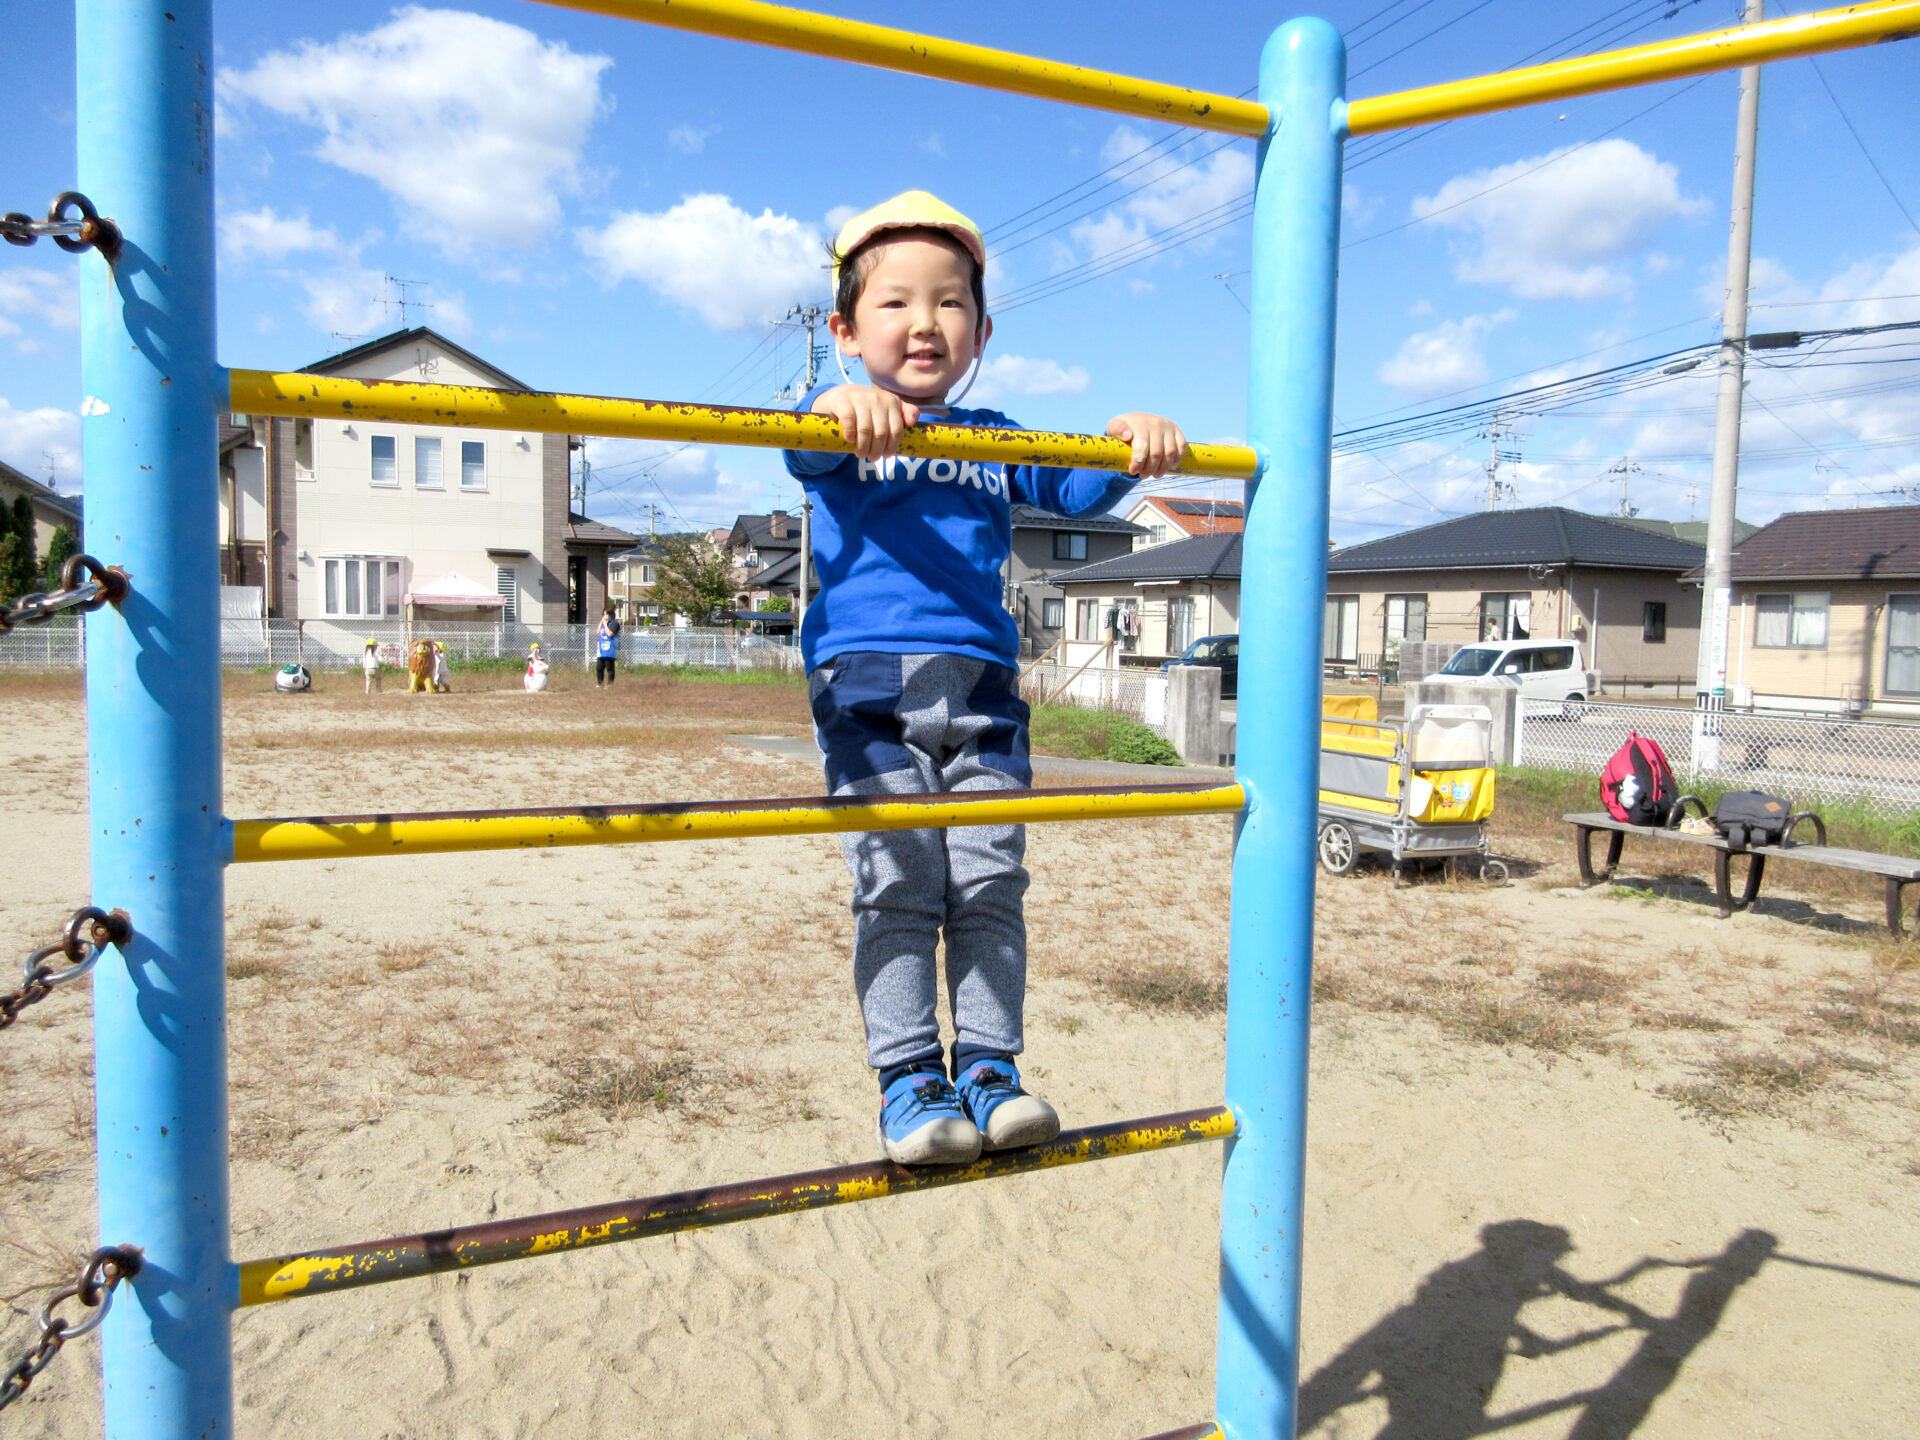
(1740, 696)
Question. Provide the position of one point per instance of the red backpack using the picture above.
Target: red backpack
(1638, 786)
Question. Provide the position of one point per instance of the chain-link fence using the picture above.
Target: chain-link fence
(60, 644)
(1807, 759)
(1136, 693)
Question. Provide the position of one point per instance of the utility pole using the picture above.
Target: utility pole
(808, 318)
(1497, 430)
(1626, 509)
(1716, 591)
(580, 484)
(806, 563)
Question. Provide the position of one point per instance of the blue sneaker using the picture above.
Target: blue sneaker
(922, 1123)
(1005, 1115)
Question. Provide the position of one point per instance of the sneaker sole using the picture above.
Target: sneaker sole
(938, 1142)
(1020, 1122)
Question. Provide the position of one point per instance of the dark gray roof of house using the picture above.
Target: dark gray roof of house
(1544, 535)
(1198, 557)
(582, 531)
(1032, 517)
(1225, 509)
(1880, 543)
(757, 532)
(39, 493)
(384, 343)
(783, 572)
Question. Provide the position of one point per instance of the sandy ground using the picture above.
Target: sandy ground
(1588, 1165)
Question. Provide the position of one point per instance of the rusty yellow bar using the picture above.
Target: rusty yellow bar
(316, 1272)
(830, 36)
(259, 392)
(1810, 34)
(337, 837)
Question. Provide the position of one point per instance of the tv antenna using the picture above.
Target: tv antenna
(400, 300)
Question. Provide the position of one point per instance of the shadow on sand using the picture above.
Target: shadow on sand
(1437, 1360)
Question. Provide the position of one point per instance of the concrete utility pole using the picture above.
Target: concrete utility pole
(809, 318)
(806, 563)
(1495, 432)
(1710, 675)
(1626, 469)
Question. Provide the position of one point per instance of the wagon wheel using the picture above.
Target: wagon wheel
(1494, 872)
(1339, 851)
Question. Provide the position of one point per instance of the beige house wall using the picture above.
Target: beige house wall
(1851, 666)
(1216, 610)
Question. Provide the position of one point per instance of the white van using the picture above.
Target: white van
(1543, 669)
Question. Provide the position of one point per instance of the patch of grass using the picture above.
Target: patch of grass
(619, 1089)
(1077, 734)
(252, 967)
(22, 1162)
(1739, 1083)
(397, 957)
(1580, 982)
(1160, 986)
(1480, 1015)
(1678, 1020)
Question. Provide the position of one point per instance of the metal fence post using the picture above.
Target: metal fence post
(144, 102)
(1296, 236)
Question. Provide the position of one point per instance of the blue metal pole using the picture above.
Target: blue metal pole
(145, 107)
(1296, 238)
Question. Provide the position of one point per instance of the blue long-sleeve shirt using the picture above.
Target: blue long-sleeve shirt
(909, 550)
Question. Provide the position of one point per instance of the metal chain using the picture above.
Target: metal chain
(103, 928)
(105, 585)
(84, 230)
(105, 1268)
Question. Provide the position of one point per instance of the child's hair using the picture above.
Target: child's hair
(855, 266)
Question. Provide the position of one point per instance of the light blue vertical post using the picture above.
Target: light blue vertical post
(145, 106)
(1296, 237)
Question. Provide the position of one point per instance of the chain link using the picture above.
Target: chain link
(104, 585)
(102, 927)
(105, 1269)
(85, 229)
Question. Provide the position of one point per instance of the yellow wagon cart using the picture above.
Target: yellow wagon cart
(1419, 789)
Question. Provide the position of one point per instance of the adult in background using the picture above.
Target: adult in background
(607, 648)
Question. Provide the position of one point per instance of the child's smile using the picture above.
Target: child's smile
(915, 326)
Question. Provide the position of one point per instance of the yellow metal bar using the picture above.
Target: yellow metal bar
(888, 49)
(1797, 35)
(337, 837)
(492, 1242)
(258, 392)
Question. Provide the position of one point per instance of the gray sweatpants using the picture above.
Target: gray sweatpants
(918, 724)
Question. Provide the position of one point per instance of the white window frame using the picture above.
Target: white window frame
(392, 482)
(344, 577)
(423, 446)
(1407, 602)
(1341, 626)
(1801, 610)
(481, 484)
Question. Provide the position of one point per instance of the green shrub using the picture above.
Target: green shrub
(1134, 744)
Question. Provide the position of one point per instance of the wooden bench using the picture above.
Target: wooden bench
(1895, 871)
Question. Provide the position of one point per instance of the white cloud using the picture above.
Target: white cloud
(34, 300)
(474, 126)
(1174, 187)
(734, 269)
(346, 300)
(29, 437)
(694, 486)
(1005, 375)
(933, 145)
(1443, 359)
(273, 237)
(688, 139)
(1553, 226)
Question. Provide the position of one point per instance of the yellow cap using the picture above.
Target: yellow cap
(909, 210)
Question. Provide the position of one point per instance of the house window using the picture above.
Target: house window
(356, 587)
(1053, 614)
(386, 470)
(1179, 623)
(506, 584)
(303, 450)
(473, 464)
(426, 462)
(1791, 622)
(1156, 534)
(1903, 645)
(1086, 620)
(1342, 637)
(1406, 617)
(1068, 546)
(646, 574)
(1653, 622)
(1506, 615)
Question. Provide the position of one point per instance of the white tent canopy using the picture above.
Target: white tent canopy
(455, 591)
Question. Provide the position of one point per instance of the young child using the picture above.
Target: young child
(370, 665)
(911, 661)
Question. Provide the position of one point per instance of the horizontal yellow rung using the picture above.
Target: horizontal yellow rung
(336, 837)
(259, 392)
(1797, 35)
(888, 49)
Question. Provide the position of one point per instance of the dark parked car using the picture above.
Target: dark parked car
(1220, 651)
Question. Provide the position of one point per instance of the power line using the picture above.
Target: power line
(1847, 120)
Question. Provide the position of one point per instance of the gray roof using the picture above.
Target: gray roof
(1499, 539)
(756, 531)
(1198, 557)
(582, 531)
(383, 343)
(41, 494)
(1032, 517)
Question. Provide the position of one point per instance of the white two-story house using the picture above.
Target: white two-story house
(359, 519)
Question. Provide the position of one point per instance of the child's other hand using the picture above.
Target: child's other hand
(872, 419)
(1158, 445)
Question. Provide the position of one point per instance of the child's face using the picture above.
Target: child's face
(915, 327)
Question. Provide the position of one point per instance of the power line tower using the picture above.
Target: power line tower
(808, 318)
(1626, 469)
(1498, 490)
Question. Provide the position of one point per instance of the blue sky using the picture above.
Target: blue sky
(605, 207)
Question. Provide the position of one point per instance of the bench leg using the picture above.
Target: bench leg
(1583, 854)
(1723, 881)
(1896, 888)
(1615, 840)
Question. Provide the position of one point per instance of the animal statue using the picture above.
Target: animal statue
(293, 680)
(536, 677)
(420, 667)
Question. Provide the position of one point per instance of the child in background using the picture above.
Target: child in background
(370, 665)
(911, 659)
